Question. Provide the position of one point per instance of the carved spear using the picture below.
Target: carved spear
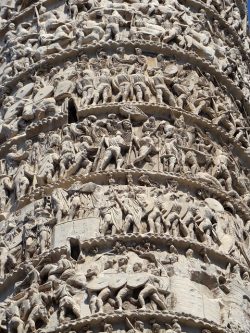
(94, 166)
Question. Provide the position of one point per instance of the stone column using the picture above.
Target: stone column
(124, 158)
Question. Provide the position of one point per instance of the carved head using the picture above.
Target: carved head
(138, 51)
(105, 71)
(151, 120)
(172, 249)
(12, 26)
(173, 196)
(130, 179)
(189, 198)
(13, 149)
(42, 10)
(156, 328)
(34, 288)
(121, 50)
(41, 136)
(91, 272)
(108, 328)
(189, 253)
(126, 124)
(175, 324)
(108, 264)
(151, 71)
(137, 267)
(122, 261)
(139, 325)
(92, 118)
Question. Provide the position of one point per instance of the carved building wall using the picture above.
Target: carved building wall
(124, 149)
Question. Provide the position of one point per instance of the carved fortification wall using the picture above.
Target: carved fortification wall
(124, 174)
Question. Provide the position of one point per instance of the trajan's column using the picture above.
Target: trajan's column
(124, 174)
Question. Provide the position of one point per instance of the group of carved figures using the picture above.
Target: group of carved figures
(172, 24)
(24, 236)
(230, 12)
(121, 78)
(227, 9)
(115, 143)
(121, 210)
(58, 289)
(11, 8)
(137, 278)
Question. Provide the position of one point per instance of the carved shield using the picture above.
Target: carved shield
(24, 91)
(63, 90)
(137, 280)
(99, 283)
(215, 205)
(43, 93)
(117, 281)
(12, 112)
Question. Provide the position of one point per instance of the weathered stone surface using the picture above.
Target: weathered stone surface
(124, 160)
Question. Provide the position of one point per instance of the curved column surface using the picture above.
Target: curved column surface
(124, 163)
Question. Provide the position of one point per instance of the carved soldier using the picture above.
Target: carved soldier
(21, 182)
(46, 168)
(187, 217)
(85, 87)
(153, 293)
(132, 211)
(113, 23)
(37, 150)
(14, 323)
(6, 187)
(140, 85)
(14, 158)
(63, 295)
(146, 146)
(123, 84)
(149, 125)
(169, 155)
(59, 203)
(114, 146)
(171, 209)
(103, 89)
(154, 218)
(204, 224)
(74, 6)
(221, 165)
(111, 214)
(44, 237)
(191, 161)
(7, 260)
(159, 85)
(75, 205)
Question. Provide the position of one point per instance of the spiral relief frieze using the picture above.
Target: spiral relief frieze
(124, 166)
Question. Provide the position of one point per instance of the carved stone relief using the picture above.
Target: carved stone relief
(124, 166)
(127, 78)
(127, 278)
(129, 140)
(172, 23)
